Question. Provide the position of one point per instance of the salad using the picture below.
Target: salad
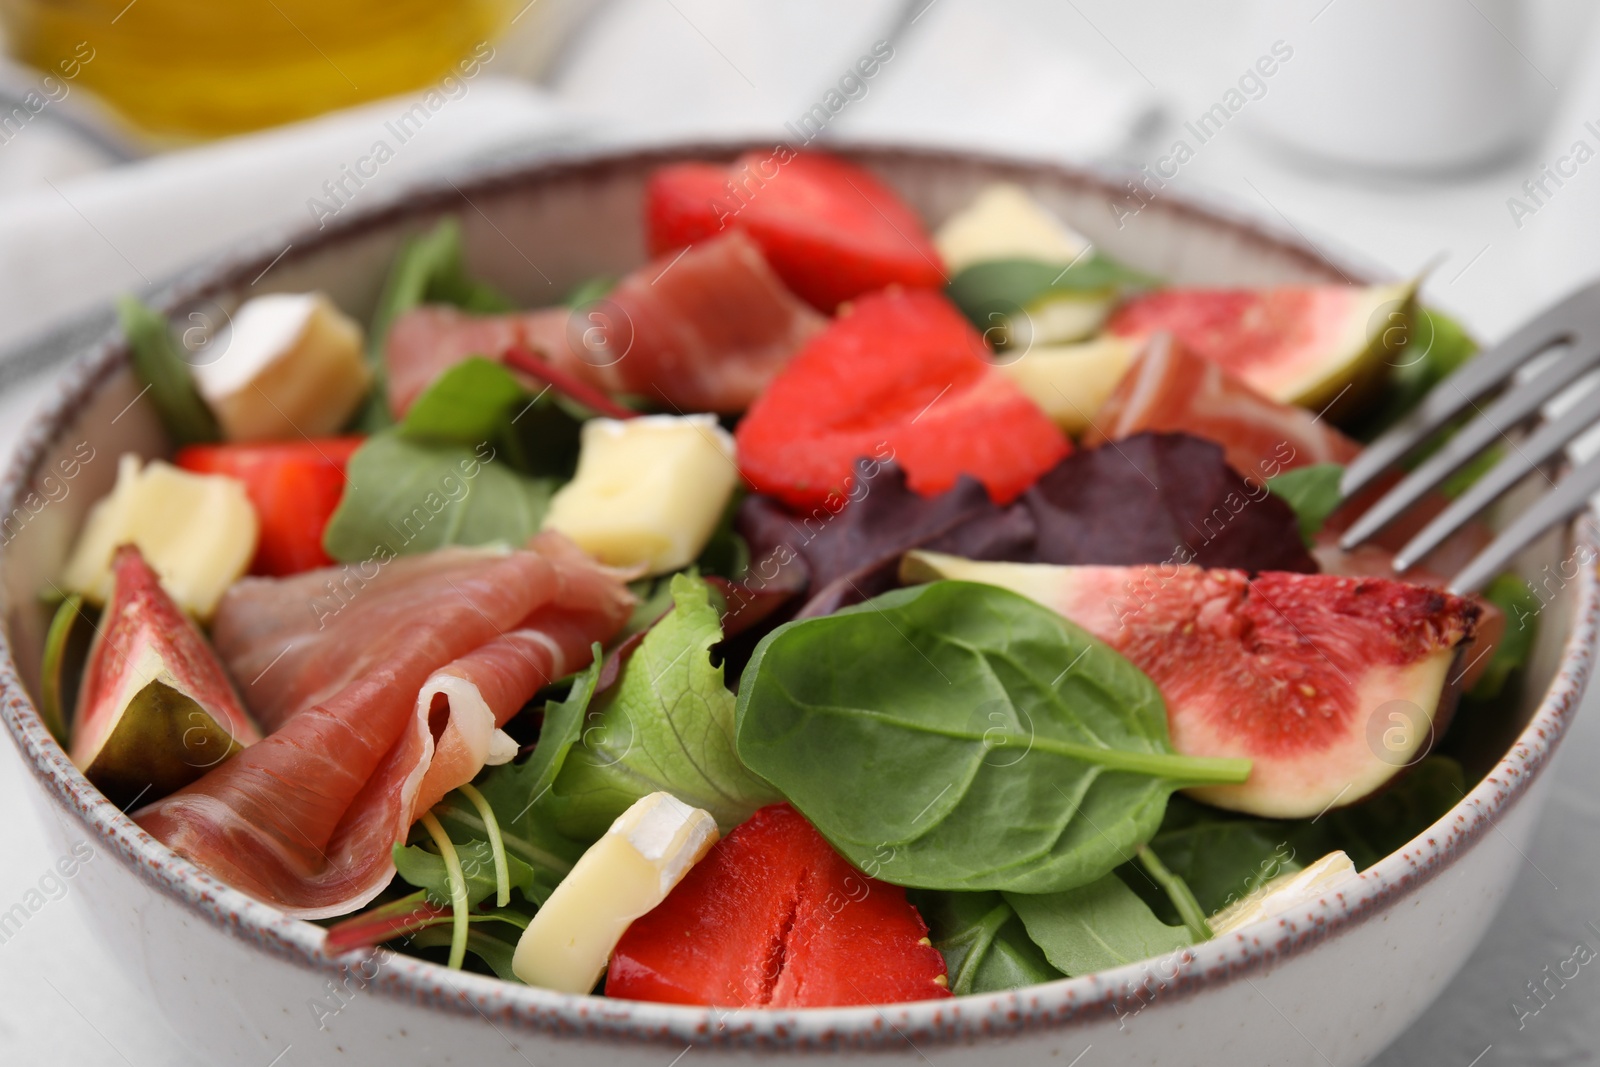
(825, 612)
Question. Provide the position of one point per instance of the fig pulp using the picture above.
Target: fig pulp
(156, 709)
(1329, 684)
(1310, 345)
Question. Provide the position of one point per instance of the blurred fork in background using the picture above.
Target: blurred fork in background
(1522, 386)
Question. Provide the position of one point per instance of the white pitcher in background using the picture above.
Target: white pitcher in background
(1418, 85)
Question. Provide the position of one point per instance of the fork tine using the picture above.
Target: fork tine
(1577, 315)
(1508, 411)
(1566, 500)
(1538, 448)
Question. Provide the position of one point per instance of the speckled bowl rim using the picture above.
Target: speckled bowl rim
(923, 1025)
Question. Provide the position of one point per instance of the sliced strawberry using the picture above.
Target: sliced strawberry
(295, 487)
(900, 372)
(830, 229)
(773, 917)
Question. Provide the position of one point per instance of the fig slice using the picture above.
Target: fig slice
(1309, 345)
(156, 709)
(1329, 684)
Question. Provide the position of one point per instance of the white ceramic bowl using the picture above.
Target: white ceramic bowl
(1331, 983)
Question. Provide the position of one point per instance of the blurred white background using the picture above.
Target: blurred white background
(1399, 134)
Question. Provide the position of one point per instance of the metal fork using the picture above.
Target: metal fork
(1573, 323)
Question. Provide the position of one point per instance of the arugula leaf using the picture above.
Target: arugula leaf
(992, 742)
(156, 362)
(403, 497)
(426, 871)
(1511, 595)
(52, 702)
(1095, 926)
(430, 268)
(478, 401)
(494, 951)
(1313, 493)
(985, 946)
(526, 832)
(562, 729)
(666, 725)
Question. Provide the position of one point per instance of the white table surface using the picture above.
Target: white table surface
(63, 1002)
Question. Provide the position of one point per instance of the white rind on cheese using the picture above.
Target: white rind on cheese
(648, 491)
(628, 872)
(197, 531)
(1005, 222)
(292, 366)
(1285, 893)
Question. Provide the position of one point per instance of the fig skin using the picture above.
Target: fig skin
(156, 709)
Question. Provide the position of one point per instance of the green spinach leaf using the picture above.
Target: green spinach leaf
(478, 401)
(1007, 285)
(404, 497)
(1313, 493)
(986, 949)
(156, 362)
(1095, 926)
(992, 743)
(1223, 857)
(666, 725)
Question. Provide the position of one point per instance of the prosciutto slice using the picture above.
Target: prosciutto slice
(701, 330)
(1171, 389)
(376, 708)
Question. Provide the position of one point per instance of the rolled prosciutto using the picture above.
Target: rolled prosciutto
(380, 695)
(701, 330)
(1171, 389)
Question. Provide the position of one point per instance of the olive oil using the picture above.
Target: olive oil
(188, 69)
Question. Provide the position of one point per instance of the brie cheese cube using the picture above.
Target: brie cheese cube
(1004, 222)
(649, 491)
(1070, 382)
(292, 366)
(197, 531)
(625, 874)
(1285, 892)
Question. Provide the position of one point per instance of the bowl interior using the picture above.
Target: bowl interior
(536, 231)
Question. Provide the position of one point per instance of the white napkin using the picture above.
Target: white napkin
(67, 245)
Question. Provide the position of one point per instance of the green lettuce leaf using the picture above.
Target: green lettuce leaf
(666, 725)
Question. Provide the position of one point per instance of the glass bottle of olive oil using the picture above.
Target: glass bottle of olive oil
(186, 69)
